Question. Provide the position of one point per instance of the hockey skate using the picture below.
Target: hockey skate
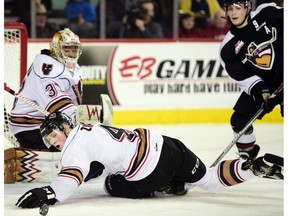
(248, 153)
(267, 166)
(174, 187)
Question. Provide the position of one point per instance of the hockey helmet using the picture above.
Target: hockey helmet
(55, 120)
(247, 4)
(66, 48)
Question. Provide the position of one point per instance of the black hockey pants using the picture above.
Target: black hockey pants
(176, 163)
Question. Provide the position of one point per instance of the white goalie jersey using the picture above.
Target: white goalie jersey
(134, 154)
(52, 86)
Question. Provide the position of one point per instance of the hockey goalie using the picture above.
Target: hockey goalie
(53, 83)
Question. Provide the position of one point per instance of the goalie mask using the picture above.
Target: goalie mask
(52, 122)
(66, 48)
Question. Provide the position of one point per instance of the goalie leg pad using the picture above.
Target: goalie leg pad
(92, 114)
(106, 116)
(88, 114)
(23, 165)
(9, 165)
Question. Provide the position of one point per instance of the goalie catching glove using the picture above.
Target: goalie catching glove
(37, 196)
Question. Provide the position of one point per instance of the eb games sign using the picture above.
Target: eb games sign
(143, 68)
(165, 69)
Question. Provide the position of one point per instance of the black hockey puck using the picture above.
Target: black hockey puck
(44, 208)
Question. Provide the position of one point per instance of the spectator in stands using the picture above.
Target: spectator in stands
(82, 18)
(44, 29)
(218, 27)
(139, 23)
(187, 27)
(163, 11)
(115, 13)
(204, 10)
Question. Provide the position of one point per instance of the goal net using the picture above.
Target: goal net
(15, 67)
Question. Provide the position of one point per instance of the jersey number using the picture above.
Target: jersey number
(118, 134)
(51, 90)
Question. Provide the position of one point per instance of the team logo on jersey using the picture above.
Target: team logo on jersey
(262, 55)
(238, 46)
(46, 68)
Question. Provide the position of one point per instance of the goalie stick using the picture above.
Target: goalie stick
(245, 128)
(24, 99)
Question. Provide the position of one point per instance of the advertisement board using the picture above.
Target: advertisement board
(167, 82)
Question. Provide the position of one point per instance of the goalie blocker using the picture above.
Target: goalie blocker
(26, 165)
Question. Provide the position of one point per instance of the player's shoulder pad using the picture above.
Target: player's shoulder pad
(264, 9)
(227, 46)
(78, 70)
(45, 52)
(45, 66)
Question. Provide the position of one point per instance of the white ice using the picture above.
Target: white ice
(263, 197)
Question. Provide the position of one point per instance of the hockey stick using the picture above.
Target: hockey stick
(24, 99)
(245, 128)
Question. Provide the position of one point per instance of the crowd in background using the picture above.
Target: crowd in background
(130, 18)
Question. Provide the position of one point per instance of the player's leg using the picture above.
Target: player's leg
(118, 186)
(232, 172)
(176, 165)
(244, 110)
(187, 167)
(226, 173)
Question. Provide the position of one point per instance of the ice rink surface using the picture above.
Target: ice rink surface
(257, 197)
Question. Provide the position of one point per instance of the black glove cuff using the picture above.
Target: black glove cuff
(49, 192)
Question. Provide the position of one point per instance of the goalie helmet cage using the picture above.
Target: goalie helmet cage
(15, 67)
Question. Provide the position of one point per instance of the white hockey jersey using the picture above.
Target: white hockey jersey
(52, 86)
(134, 154)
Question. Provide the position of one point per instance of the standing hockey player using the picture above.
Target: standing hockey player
(137, 163)
(54, 82)
(252, 54)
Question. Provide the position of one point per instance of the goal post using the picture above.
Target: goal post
(16, 42)
(15, 67)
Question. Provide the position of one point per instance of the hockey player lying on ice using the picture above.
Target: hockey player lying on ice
(139, 162)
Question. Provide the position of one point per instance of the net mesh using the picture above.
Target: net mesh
(15, 54)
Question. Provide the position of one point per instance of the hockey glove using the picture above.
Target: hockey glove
(261, 94)
(36, 197)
